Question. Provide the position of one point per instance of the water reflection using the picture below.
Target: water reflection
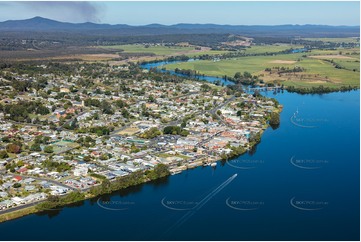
(156, 184)
(275, 126)
(53, 212)
(252, 150)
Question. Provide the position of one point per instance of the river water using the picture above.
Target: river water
(300, 183)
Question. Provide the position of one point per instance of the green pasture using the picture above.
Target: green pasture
(259, 49)
(317, 71)
(335, 40)
(157, 50)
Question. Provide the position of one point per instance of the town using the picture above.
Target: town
(89, 123)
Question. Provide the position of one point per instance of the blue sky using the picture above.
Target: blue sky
(234, 13)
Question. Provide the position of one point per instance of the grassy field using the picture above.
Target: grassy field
(257, 49)
(191, 52)
(229, 67)
(349, 64)
(207, 52)
(165, 50)
(165, 155)
(61, 146)
(157, 50)
(353, 52)
(334, 40)
(17, 214)
(318, 71)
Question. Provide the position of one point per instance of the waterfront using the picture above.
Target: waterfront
(160, 64)
(267, 182)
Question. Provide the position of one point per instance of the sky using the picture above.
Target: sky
(163, 12)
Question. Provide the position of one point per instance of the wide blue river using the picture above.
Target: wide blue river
(301, 183)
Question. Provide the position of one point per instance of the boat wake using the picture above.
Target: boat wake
(190, 213)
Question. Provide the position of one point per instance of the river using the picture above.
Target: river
(301, 183)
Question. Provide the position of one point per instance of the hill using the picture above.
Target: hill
(43, 25)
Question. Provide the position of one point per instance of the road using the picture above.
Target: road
(43, 179)
(72, 119)
(116, 131)
(26, 124)
(208, 139)
(35, 202)
(13, 209)
(214, 110)
(179, 121)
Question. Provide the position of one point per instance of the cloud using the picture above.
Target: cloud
(65, 11)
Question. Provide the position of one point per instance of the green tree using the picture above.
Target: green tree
(106, 186)
(87, 158)
(35, 147)
(205, 88)
(134, 149)
(13, 148)
(16, 185)
(120, 103)
(247, 75)
(42, 110)
(48, 149)
(151, 133)
(161, 170)
(5, 139)
(274, 120)
(125, 113)
(183, 124)
(3, 154)
(151, 99)
(106, 107)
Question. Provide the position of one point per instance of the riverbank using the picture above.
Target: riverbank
(18, 213)
(320, 89)
(56, 202)
(106, 187)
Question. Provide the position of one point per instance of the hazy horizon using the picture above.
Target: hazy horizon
(214, 23)
(170, 13)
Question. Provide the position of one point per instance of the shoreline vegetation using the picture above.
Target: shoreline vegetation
(105, 187)
(320, 89)
(252, 80)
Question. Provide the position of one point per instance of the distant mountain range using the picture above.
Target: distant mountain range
(39, 24)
